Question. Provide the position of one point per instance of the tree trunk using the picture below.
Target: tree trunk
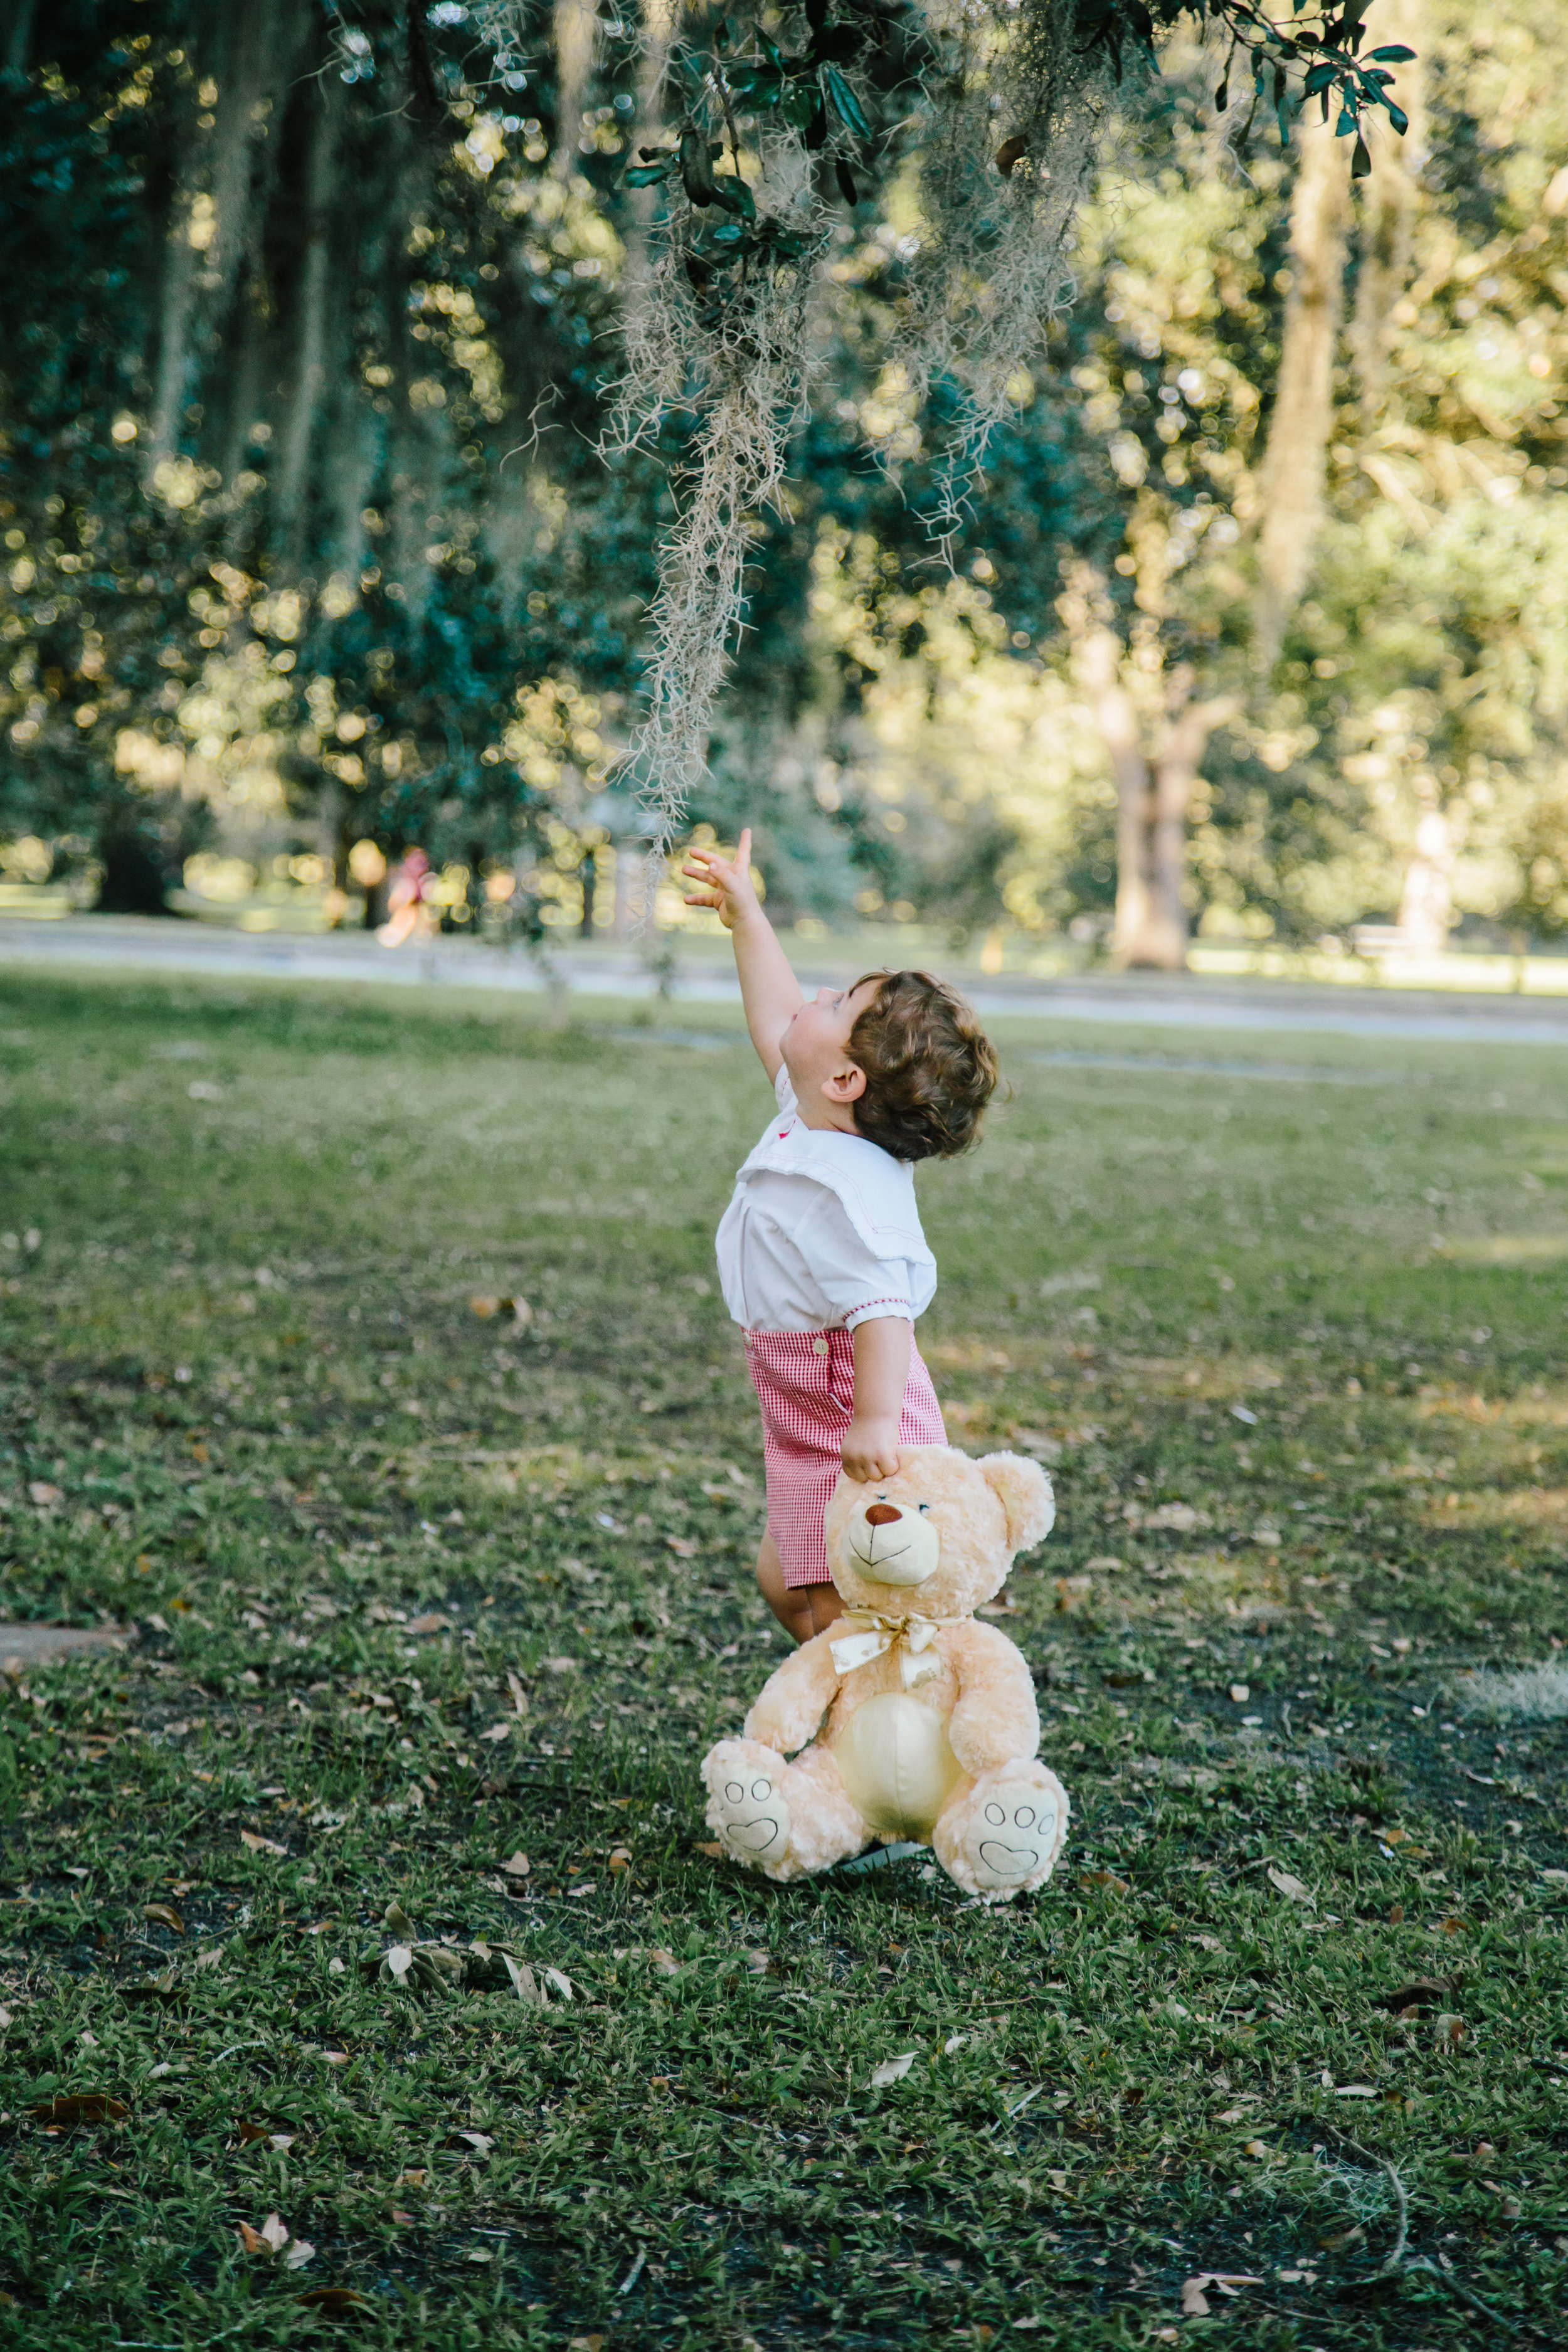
(174, 359)
(1290, 484)
(19, 35)
(311, 332)
(1175, 774)
(1097, 664)
(576, 26)
(1390, 201)
(1426, 901)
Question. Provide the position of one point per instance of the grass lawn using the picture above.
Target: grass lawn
(420, 1589)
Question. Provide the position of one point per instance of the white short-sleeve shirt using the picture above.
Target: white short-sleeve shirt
(822, 1232)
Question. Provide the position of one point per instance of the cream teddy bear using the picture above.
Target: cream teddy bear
(931, 1727)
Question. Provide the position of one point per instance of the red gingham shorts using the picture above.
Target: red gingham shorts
(805, 1384)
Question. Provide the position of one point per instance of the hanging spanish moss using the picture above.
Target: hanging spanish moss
(998, 109)
(735, 355)
(1008, 157)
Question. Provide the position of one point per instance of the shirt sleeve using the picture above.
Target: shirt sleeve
(855, 1285)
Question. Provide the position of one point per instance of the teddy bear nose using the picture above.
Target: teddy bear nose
(883, 1515)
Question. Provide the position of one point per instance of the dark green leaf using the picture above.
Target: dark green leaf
(1360, 161)
(846, 179)
(1394, 55)
(844, 102)
(646, 175)
(1397, 116)
(732, 191)
(696, 166)
(759, 85)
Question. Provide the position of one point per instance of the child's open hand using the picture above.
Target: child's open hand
(726, 885)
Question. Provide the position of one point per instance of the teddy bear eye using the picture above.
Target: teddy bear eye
(924, 1506)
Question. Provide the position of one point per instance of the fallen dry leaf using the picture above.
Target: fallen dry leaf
(1195, 2304)
(1449, 2030)
(165, 1915)
(399, 1960)
(684, 1547)
(270, 2240)
(43, 1493)
(209, 1959)
(517, 1867)
(893, 2070)
(519, 1695)
(666, 1963)
(249, 2132)
(395, 1918)
(1355, 2091)
(497, 1731)
(524, 1983)
(79, 2107)
(1290, 1885)
(255, 1844)
(431, 1623)
(1104, 1879)
(621, 1858)
(562, 1983)
(1208, 1943)
(711, 1847)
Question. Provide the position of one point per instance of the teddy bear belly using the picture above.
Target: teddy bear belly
(895, 1758)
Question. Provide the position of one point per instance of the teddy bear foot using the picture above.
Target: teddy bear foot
(1003, 1837)
(746, 1807)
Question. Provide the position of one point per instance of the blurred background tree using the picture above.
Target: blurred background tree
(1254, 624)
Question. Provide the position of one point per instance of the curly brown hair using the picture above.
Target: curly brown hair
(929, 1067)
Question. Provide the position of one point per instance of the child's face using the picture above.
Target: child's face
(816, 1047)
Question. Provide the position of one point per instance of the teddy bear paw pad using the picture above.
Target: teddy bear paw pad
(750, 1815)
(1014, 1835)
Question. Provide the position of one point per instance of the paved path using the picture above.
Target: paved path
(705, 976)
(31, 1646)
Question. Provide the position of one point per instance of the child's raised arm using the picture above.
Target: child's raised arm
(769, 990)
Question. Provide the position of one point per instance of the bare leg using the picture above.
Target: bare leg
(801, 1610)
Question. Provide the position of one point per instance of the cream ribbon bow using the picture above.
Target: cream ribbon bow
(874, 1635)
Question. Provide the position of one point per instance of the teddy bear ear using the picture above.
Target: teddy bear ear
(1026, 1496)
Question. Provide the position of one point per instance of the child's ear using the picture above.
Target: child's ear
(845, 1086)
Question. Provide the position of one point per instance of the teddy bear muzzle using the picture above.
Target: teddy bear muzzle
(889, 1543)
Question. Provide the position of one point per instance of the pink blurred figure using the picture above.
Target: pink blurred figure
(408, 915)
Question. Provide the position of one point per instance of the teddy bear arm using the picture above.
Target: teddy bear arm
(795, 1698)
(995, 1719)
